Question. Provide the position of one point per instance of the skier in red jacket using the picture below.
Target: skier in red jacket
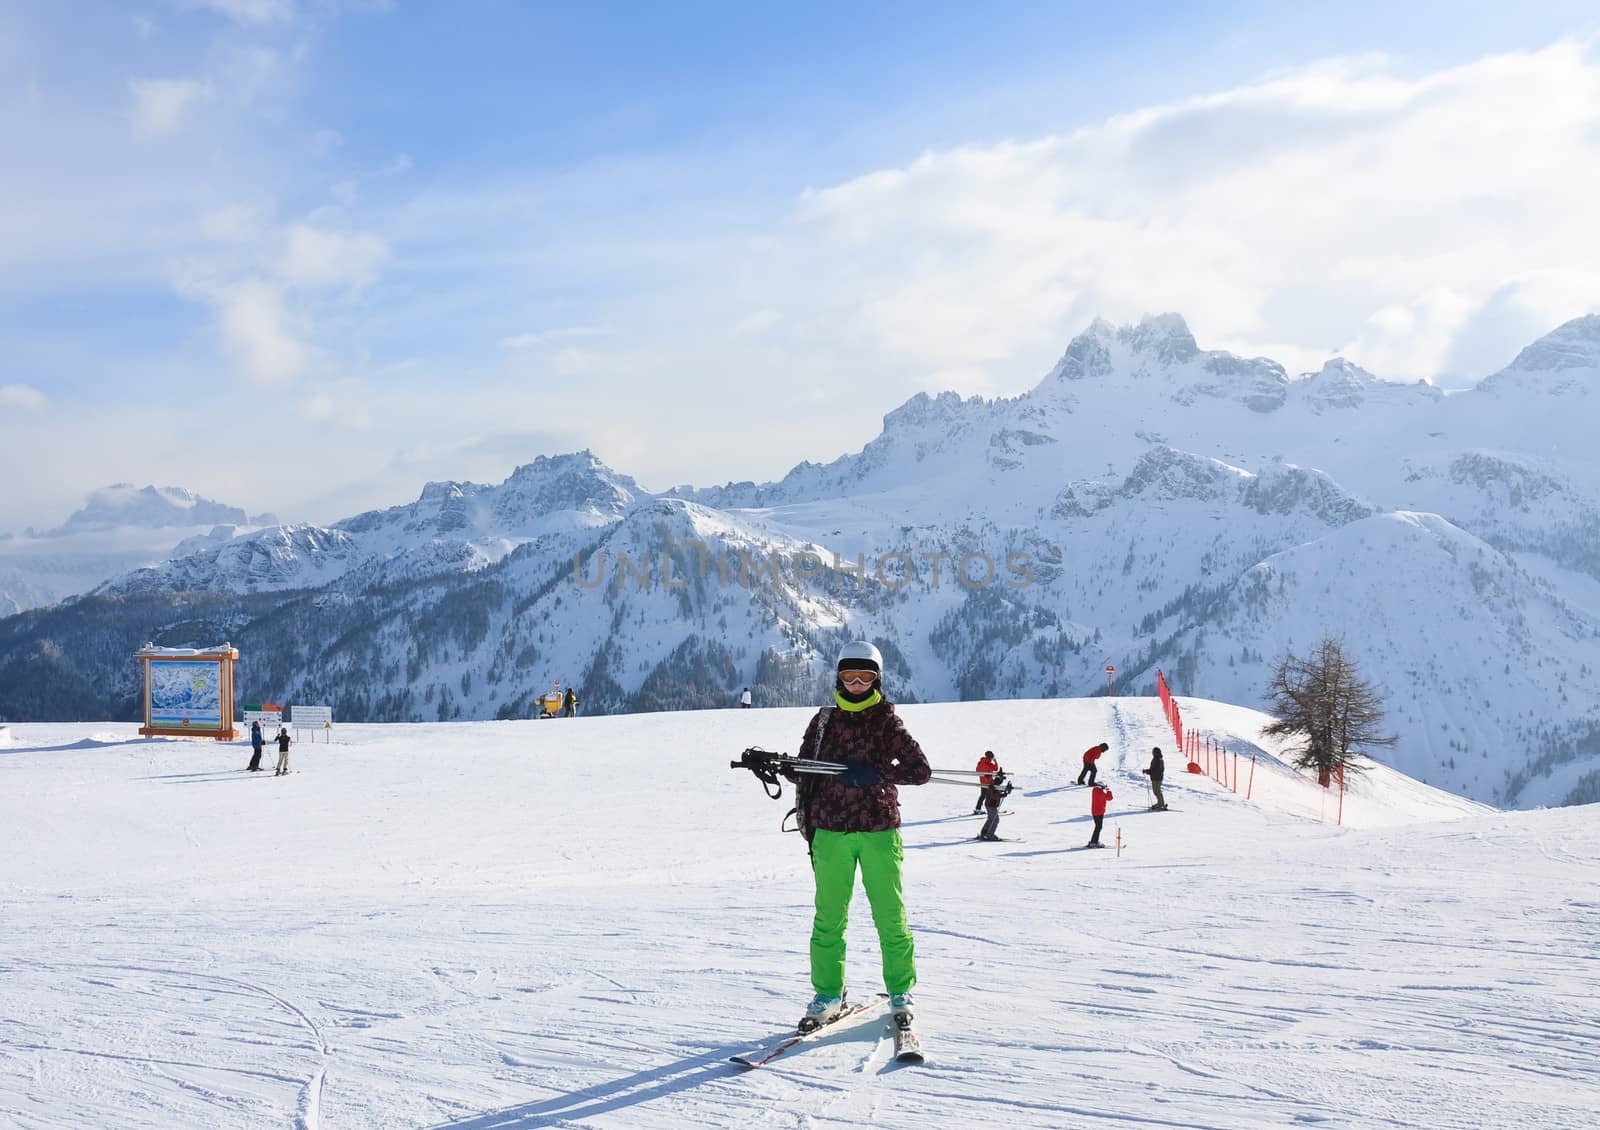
(987, 766)
(1090, 756)
(1098, 799)
(994, 792)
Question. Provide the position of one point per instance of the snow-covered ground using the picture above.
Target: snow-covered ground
(575, 922)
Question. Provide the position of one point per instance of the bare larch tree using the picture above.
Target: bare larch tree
(1322, 700)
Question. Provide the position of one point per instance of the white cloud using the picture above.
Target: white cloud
(1334, 206)
(322, 257)
(1513, 315)
(755, 323)
(232, 223)
(160, 104)
(573, 361)
(319, 406)
(21, 398)
(1425, 225)
(248, 11)
(341, 403)
(520, 342)
(255, 328)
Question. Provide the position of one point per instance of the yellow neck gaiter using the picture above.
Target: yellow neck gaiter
(856, 707)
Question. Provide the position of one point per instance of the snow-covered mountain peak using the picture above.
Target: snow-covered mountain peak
(1166, 473)
(1161, 349)
(269, 560)
(923, 411)
(525, 505)
(1341, 383)
(1088, 355)
(576, 482)
(1163, 338)
(1283, 488)
(1571, 345)
(440, 493)
(1564, 362)
(1166, 337)
(574, 467)
(1338, 384)
(1124, 504)
(152, 507)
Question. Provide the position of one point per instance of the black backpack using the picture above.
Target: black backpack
(805, 783)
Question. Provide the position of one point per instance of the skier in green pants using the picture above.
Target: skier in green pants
(853, 820)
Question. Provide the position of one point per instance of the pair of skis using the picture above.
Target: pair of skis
(907, 1048)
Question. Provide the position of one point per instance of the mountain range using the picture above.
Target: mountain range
(1148, 504)
(119, 528)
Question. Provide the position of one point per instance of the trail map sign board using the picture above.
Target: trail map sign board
(316, 717)
(188, 692)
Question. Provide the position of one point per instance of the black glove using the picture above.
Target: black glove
(859, 774)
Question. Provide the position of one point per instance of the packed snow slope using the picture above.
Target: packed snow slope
(576, 922)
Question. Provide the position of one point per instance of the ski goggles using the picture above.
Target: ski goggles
(857, 678)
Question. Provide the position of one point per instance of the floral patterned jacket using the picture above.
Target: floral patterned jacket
(875, 735)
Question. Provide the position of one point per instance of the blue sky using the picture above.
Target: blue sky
(361, 245)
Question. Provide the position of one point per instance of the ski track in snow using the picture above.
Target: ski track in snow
(493, 926)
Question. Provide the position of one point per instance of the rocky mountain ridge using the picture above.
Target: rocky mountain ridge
(1148, 504)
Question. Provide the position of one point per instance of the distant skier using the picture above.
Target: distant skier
(986, 768)
(744, 699)
(1090, 756)
(283, 752)
(1098, 799)
(569, 704)
(1155, 772)
(997, 790)
(256, 743)
(853, 821)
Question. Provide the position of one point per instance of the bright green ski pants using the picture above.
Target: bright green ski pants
(834, 856)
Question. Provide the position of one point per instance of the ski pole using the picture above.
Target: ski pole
(766, 766)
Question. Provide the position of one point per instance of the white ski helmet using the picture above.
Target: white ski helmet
(860, 656)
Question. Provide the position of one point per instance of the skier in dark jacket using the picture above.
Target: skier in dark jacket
(1090, 756)
(256, 743)
(998, 788)
(853, 821)
(283, 752)
(1155, 772)
(569, 704)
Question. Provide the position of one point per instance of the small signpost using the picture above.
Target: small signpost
(1110, 671)
(269, 714)
(314, 718)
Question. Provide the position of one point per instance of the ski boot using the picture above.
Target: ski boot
(822, 1010)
